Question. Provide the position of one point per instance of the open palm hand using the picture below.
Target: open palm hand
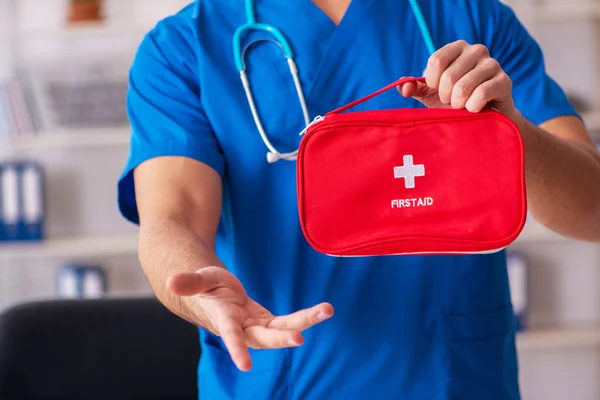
(226, 310)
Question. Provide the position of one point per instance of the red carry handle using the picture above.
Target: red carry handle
(392, 85)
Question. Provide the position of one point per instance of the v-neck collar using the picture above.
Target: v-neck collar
(318, 44)
(341, 39)
(318, 9)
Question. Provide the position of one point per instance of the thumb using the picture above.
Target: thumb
(418, 90)
(193, 283)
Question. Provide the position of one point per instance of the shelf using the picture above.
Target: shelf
(66, 139)
(559, 339)
(79, 30)
(85, 247)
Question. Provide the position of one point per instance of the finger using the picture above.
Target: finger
(485, 70)
(261, 337)
(429, 97)
(491, 90)
(441, 60)
(235, 340)
(303, 319)
(414, 89)
(465, 63)
(407, 89)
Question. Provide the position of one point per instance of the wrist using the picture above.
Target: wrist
(515, 116)
(190, 309)
(529, 132)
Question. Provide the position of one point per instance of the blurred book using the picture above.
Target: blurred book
(22, 201)
(517, 265)
(88, 104)
(67, 97)
(81, 282)
(6, 124)
(18, 114)
(79, 97)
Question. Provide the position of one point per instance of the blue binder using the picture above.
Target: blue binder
(519, 287)
(81, 282)
(31, 190)
(2, 228)
(22, 203)
(10, 201)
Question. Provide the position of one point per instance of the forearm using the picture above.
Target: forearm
(168, 247)
(563, 182)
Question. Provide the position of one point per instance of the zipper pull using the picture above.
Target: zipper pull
(317, 119)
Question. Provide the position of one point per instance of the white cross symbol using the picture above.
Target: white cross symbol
(409, 171)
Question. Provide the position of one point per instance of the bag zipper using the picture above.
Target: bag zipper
(374, 119)
(317, 119)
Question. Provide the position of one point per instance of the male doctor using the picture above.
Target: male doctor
(220, 240)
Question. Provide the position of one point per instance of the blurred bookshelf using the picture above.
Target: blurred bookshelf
(63, 87)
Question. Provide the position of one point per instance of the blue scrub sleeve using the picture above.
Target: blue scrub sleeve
(165, 110)
(537, 96)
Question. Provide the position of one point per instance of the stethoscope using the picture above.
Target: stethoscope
(273, 154)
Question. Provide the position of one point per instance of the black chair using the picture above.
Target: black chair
(97, 349)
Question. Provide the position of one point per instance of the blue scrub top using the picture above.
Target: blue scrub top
(409, 328)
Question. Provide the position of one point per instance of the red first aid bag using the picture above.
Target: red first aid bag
(411, 181)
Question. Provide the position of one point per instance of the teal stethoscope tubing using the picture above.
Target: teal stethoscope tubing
(422, 26)
(238, 53)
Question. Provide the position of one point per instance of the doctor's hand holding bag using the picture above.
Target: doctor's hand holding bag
(464, 76)
(458, 75)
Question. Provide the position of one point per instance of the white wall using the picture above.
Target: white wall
(565, 278)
